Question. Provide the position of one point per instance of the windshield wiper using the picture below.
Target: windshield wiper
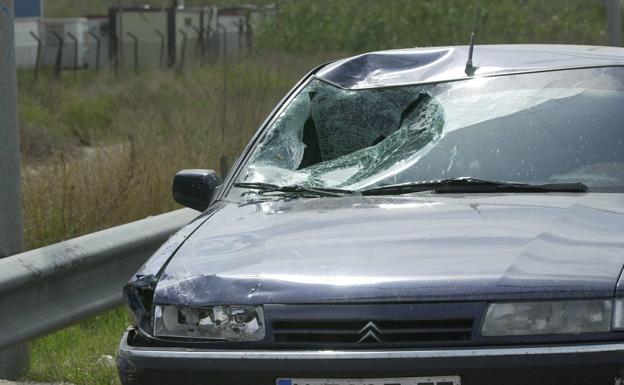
(295, 189)
(474, 185)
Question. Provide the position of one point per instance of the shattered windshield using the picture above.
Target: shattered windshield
(550, 127)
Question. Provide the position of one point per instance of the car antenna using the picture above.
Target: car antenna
(470, 68)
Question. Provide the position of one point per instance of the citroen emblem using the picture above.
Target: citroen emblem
(370, 333)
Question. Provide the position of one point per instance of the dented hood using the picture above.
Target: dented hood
(418, 248)
(435, 64)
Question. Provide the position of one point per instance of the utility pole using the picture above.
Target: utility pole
(614, 21)
(14, 360)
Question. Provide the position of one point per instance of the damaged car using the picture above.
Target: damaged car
(401, 220)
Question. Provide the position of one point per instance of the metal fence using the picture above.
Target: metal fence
(133, 53)
(133, 39)
(50, 288)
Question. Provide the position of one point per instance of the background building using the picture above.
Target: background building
(74, 53)
(28, 14)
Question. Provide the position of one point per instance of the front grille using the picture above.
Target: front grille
(372, 332)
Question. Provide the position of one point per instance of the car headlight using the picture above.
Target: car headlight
(618, 315)
(558, 317)
(229, 323)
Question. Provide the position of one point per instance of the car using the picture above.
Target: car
(404, 217)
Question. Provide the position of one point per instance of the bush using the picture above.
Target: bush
(368, 25)
(88, 119)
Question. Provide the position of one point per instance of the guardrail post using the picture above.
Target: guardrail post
(14, 360)
(614, 22)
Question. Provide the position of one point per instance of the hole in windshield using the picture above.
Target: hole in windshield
(551, 127)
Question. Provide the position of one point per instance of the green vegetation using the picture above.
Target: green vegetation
(366, 25)
(100, 151)
(81, 354)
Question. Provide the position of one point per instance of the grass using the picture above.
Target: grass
(82, 354)
(99, 151)
(368, 25)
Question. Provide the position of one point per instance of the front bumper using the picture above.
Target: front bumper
(565, 364)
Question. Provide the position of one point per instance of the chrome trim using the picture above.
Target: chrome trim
(139, 352)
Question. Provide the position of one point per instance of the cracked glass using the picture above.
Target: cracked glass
(557, 126)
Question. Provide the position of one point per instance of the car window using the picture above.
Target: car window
(558, 126)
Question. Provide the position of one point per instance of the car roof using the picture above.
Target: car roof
(436, 64)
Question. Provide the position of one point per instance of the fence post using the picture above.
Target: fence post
(75, 40)
(199, 46)
(183, 49)
(224, 31)
(38, 60)
(614, 22)
(205, 44)
(120, 56)
(248, 33)
(114, 17)
(162, 48)
(13, 361)
(97, 50)
(210, 33)
(172, 36)
(59, 55)
(136, 50)
(241, 35)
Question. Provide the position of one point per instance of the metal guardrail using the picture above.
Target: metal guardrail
(46, 289)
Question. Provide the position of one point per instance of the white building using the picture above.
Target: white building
(65, 29)
(28, 15)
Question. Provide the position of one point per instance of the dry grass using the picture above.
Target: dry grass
(100, 151)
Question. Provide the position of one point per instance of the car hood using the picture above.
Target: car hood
(396, 249)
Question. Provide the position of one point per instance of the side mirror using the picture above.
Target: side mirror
(195, 188)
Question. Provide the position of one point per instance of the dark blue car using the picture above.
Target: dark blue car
(403, 219)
